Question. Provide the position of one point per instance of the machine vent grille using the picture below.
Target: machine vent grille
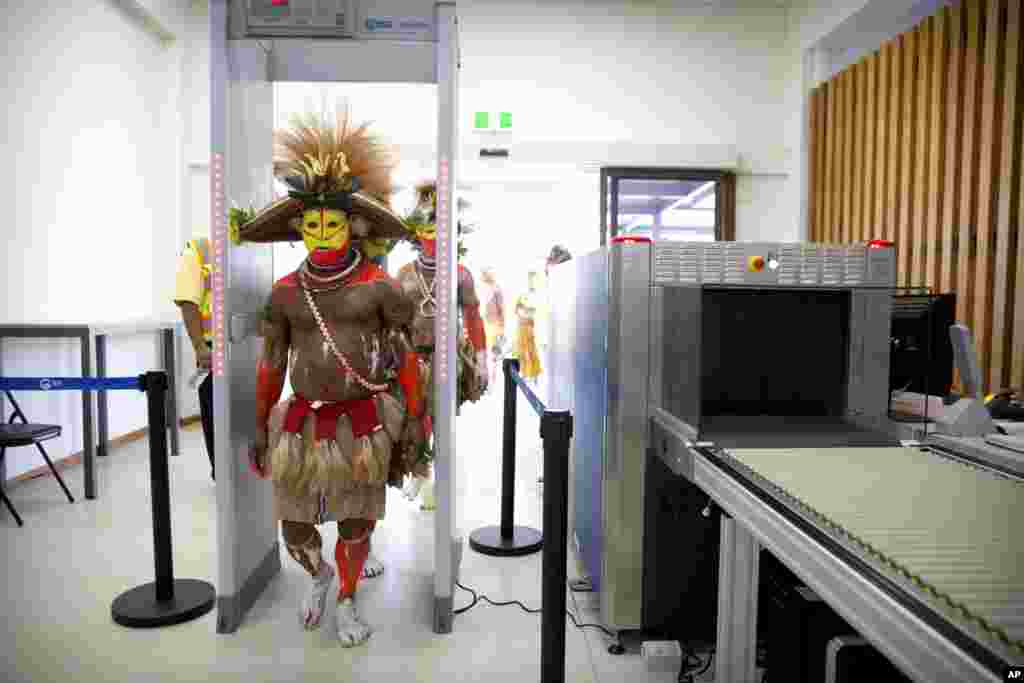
(666, 263)
(856, 264)
(833, 265)
(689, 263)
(735, 264)
(714, 265)
(790, 263)
(810, 267)
(694, 263)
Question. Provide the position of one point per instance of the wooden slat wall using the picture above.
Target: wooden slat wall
(921, 143)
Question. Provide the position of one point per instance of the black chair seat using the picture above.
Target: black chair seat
(12, 435)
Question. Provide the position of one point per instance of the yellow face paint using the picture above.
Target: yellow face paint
(325, 229)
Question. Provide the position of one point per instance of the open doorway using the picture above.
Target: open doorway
(668, 204)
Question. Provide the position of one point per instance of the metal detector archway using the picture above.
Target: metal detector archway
(242, 73)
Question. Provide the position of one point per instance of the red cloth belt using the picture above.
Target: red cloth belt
(362, 412)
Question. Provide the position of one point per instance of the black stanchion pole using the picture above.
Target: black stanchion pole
(507, 539)
(166, 601)
(556, 431)
(160, 485)
(508, 449)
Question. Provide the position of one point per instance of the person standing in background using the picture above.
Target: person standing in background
(558, 254)
(193, 295)
(494, 318)
(526, 340)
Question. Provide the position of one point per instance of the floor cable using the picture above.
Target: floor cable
(478, 597)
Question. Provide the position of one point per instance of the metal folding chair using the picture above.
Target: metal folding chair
(25, 434)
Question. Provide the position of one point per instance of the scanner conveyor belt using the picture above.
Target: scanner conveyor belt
(947, 531)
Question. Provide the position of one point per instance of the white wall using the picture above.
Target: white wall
(671, 74)
(638, 83)
(93, 144)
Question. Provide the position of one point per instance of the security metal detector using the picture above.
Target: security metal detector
(310, 41)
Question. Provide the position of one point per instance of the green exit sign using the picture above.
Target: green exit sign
(492, 121)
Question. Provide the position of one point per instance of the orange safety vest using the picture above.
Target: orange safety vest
(201, 248)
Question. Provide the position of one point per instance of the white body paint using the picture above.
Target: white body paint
(351, 629)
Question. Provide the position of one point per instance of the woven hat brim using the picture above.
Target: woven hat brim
(384, 223)
(275, 223)
(279, 222)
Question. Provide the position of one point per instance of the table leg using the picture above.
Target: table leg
(736, 647)
(101, 397)
(169, 348)
(89, 453)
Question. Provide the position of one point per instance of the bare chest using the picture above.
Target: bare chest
(354, 306)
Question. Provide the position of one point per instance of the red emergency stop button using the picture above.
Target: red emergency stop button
(756, 264)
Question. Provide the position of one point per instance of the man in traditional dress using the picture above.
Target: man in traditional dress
(419, 284)
(338, 325)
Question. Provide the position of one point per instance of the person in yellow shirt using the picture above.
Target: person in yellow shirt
(193, 295)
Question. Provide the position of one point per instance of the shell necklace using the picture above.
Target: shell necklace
(328, 283)
(342, 358)
(428, 306)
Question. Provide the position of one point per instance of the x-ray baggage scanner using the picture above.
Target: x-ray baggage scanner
(736, 342)
(732, 397)
(254, 43)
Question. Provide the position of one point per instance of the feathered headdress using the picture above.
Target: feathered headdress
(341, 167)
(425, 211)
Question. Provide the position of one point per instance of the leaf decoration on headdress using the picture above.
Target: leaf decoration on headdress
(237, 217)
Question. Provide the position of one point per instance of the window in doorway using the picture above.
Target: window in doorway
(667, 204)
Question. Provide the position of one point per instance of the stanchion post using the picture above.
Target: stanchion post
(506, 539)
(166, 601)
(156, 395)
(508, 448)
(555, 431)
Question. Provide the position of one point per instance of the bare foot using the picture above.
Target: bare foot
(372, 567)
(316, 600)
(352, 630)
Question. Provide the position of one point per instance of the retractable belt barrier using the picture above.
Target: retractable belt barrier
(509, 540)
(167, 600)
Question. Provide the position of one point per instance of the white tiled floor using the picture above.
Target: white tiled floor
(62, 570)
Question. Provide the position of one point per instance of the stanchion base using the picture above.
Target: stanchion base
(138, 607)
(489, 541)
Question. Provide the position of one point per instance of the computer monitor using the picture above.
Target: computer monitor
(921, 358)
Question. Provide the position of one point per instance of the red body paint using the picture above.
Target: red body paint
(269, 385)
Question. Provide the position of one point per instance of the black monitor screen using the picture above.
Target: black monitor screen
(922, 354)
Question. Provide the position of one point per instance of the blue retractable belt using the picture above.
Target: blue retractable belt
(167, 600)
(72, 383)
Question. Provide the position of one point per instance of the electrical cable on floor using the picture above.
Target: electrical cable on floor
(689, 671)
(477, 598)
